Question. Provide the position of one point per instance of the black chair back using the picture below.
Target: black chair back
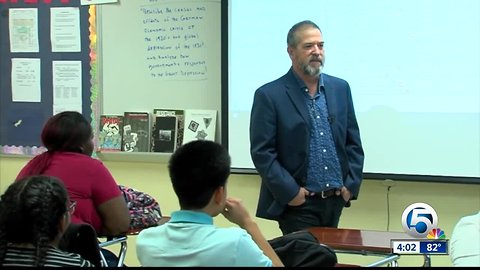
(82, 239)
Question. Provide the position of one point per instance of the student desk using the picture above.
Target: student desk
(364, 242)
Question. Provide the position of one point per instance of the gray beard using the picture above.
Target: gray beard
(310, 71)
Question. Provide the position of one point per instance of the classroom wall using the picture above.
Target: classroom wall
(370, 211)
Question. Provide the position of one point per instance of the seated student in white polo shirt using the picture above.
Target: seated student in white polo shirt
(465, 241)
(199, 171)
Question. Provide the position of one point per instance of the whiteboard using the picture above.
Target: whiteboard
(159, 54)
(412, 66)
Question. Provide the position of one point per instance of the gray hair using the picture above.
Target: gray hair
(292, 40)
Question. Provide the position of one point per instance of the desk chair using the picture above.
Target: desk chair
(104, 242)
(82, 239)
(122, 240)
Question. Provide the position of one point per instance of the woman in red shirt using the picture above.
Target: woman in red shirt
(100, 203)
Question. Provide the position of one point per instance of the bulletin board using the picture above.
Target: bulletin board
(21, 122)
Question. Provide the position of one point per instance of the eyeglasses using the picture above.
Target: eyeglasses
(71, 207)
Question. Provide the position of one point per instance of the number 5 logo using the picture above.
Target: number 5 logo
(419, 219)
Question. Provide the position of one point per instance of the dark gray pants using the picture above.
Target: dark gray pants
(315, 212)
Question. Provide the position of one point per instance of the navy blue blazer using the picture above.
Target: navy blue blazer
(280, 135)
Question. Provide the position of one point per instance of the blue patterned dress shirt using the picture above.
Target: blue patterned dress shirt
(324, 171)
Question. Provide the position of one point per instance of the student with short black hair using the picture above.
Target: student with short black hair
(34, 214)
(199, 171)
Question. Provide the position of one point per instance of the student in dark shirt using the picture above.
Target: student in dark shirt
(34, 214)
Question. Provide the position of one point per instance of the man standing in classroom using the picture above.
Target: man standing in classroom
(304, 139)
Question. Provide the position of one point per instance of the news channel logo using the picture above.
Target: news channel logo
(420, 220)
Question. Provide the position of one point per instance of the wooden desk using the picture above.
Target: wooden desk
(365, 242)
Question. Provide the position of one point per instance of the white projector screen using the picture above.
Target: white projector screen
(413, 67)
